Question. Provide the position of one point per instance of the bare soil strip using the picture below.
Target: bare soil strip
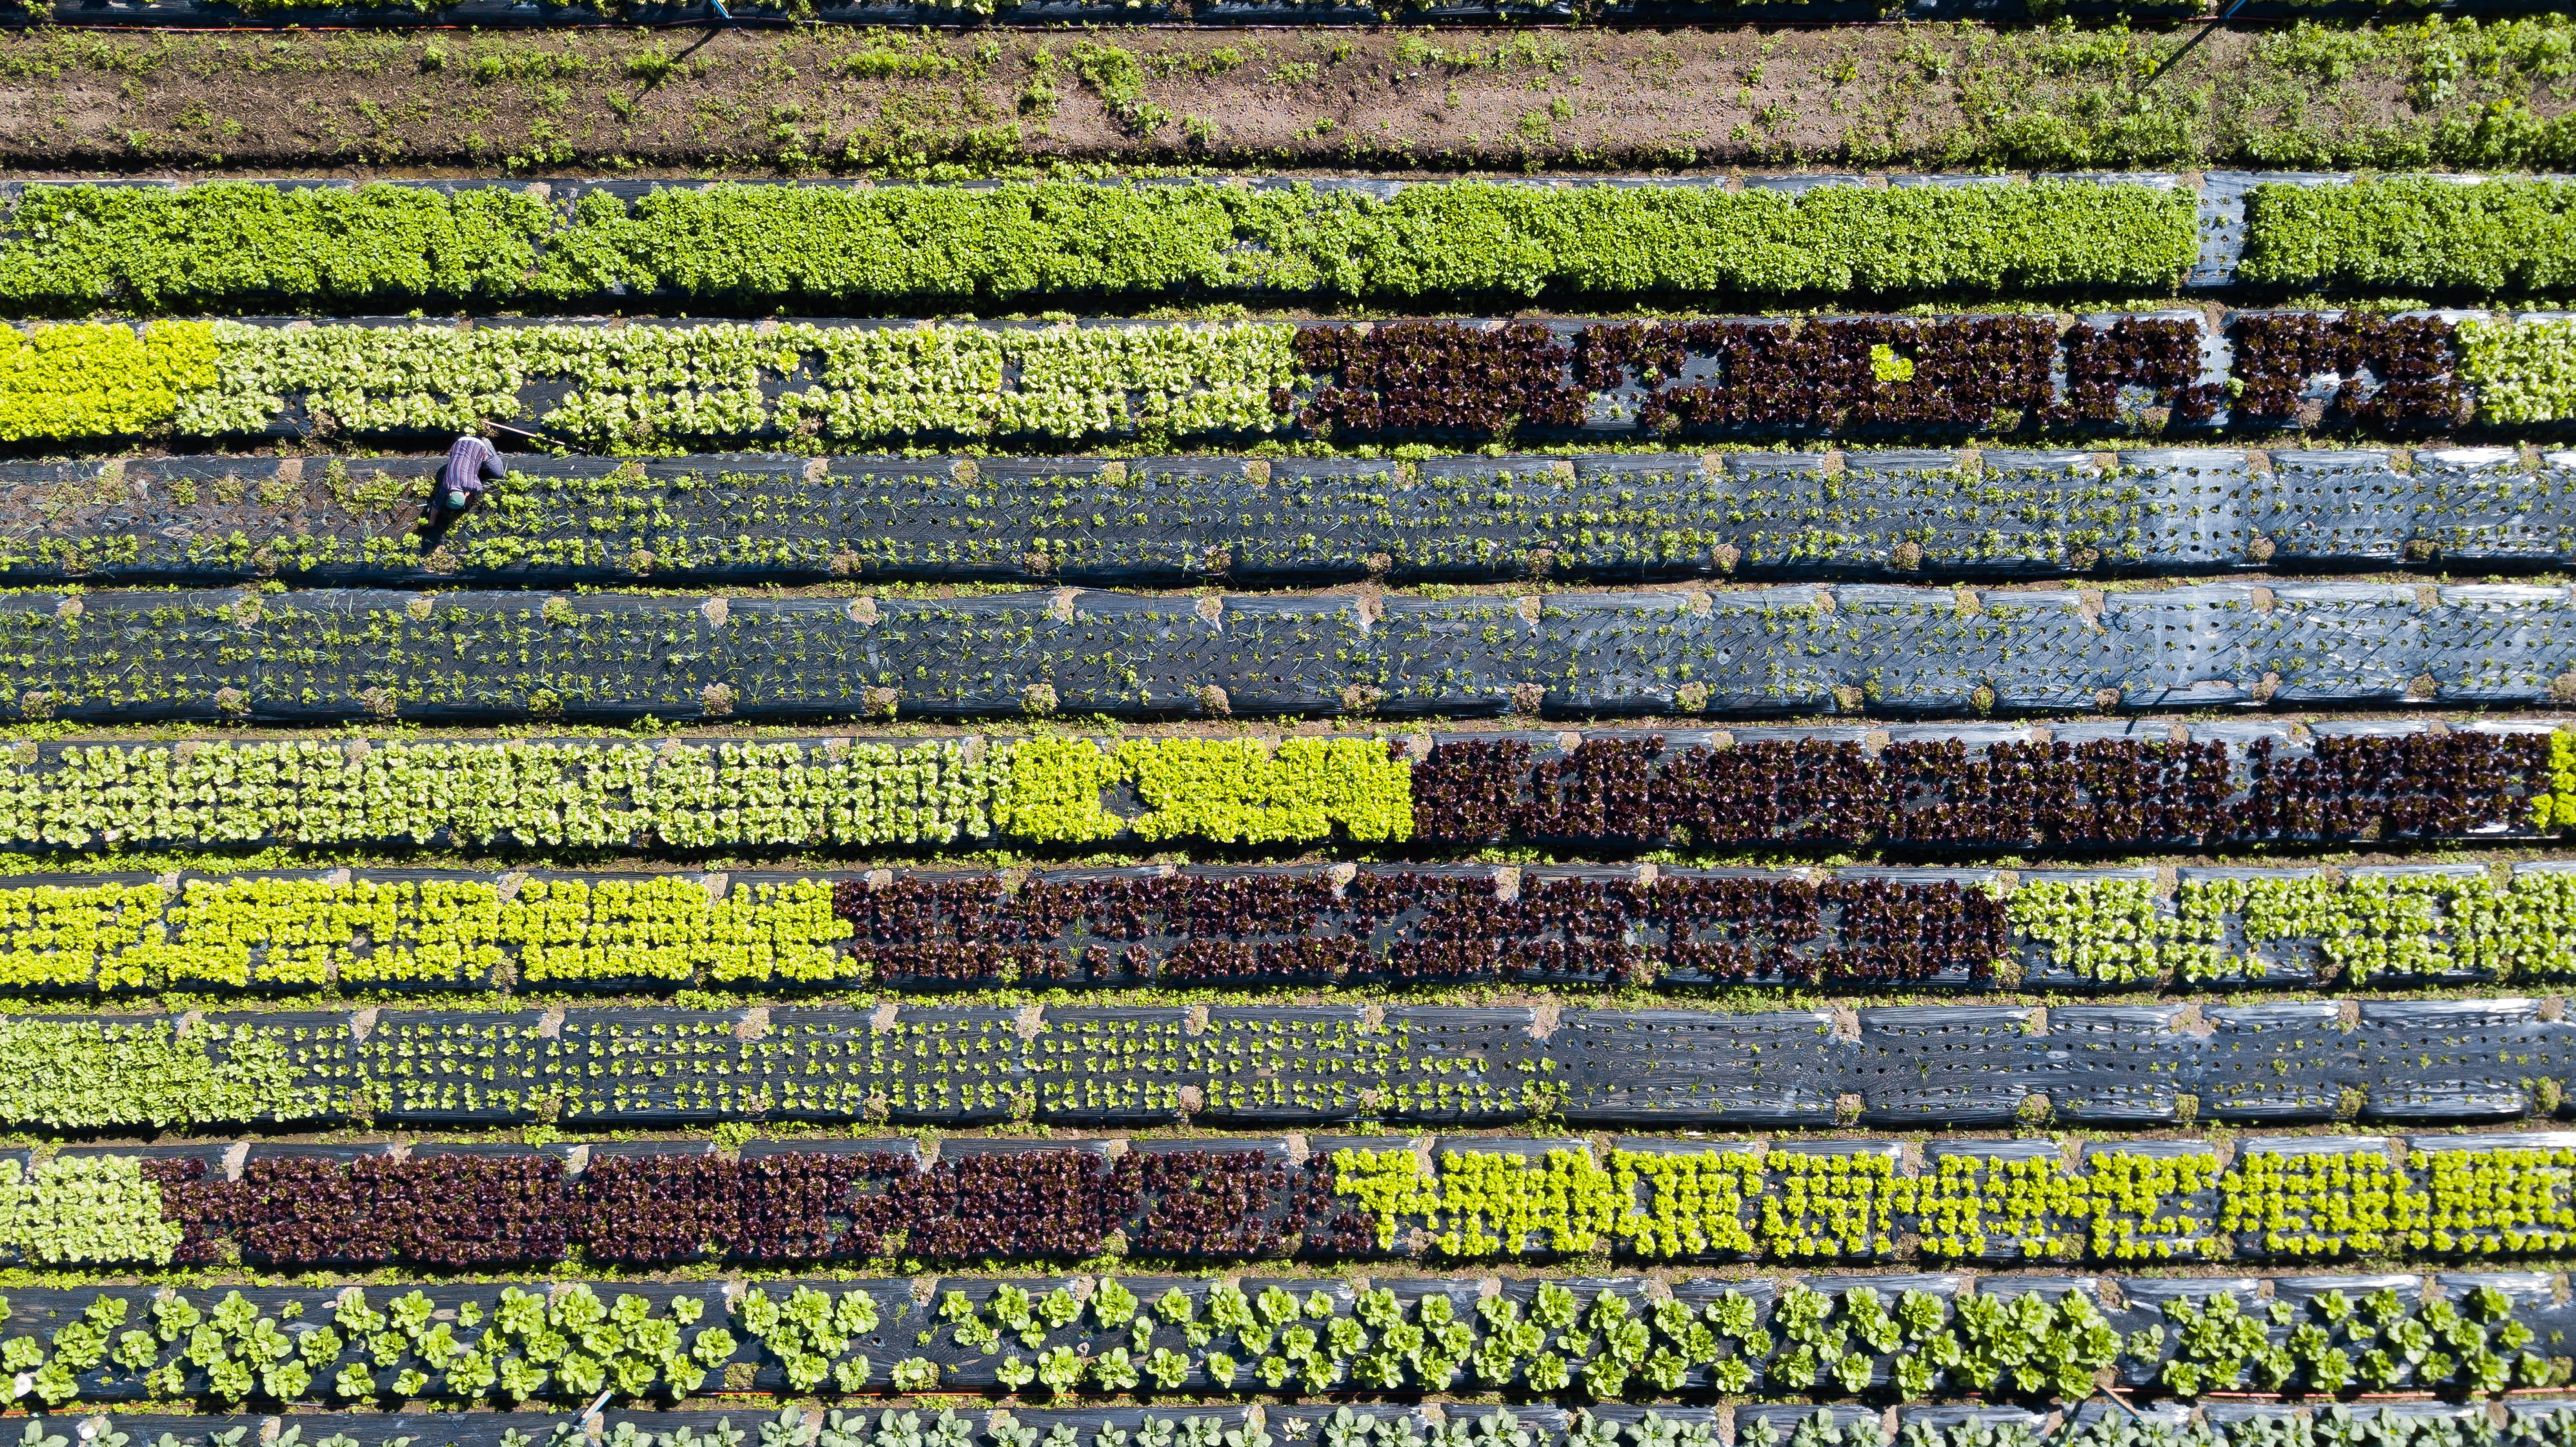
(930, 103)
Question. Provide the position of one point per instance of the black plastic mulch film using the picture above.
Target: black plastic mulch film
(748, 518)
(329, 654)
(1540, 1426)
(1255, 1066)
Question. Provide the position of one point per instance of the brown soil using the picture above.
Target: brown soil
(754, 101)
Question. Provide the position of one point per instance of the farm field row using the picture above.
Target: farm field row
(2078, 786)
(1044, 386)
(2378, 927)
(323, 655)
(1223, 16)
(227, 246)
(222, 245)
(2400, 96)
(1189, 521)
(1911, 1338)
(1647, 1199)
(2527, 1421)
(1256, 1066)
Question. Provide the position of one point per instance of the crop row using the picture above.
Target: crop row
(857, 384)
(1650, 1198)
(1186, 520)
(325, 654)
(2067, 786)
(2082, 785)
(1907, 1338)
(1309, 925)
(2417, 233)
(476, 1207)
(230, 246)
(2524, 1421)
(1251, 1066)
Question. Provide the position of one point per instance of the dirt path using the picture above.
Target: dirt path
(762, 102)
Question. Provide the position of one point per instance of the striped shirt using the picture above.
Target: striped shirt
(467, 461)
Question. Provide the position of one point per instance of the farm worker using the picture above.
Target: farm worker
(469, 464)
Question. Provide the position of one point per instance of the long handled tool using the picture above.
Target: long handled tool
(545, 437)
